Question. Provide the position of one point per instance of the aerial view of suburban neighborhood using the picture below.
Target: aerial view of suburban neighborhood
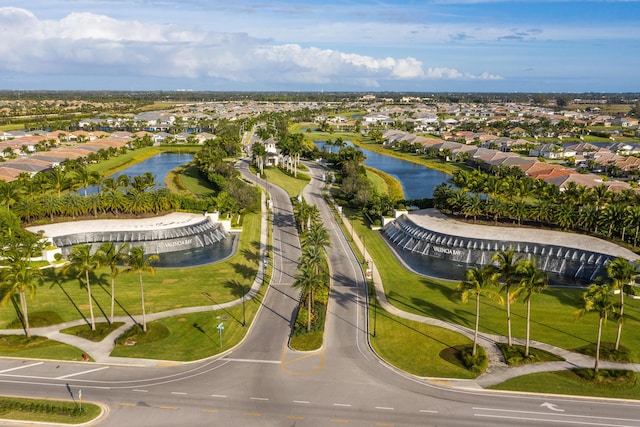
(312, 231)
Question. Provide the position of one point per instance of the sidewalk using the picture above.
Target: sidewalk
(498, 371)
(100, 351)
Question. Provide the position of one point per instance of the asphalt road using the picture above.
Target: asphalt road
(263, 383)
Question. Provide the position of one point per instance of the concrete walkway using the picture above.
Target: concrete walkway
(497, 372)
(100, 351)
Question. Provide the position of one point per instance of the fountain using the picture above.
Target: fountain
(437, 237)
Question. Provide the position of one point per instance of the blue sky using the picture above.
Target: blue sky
(330, 45)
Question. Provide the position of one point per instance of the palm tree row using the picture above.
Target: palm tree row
(510, 274)
(593, 210)
(599, 297)
(21, 277)
(312, 265)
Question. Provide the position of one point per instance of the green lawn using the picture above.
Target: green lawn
(191, 336)
(567, 382)
(293, 186)
(37, 347)
(553, 310)
(47, 410)
(167, 289)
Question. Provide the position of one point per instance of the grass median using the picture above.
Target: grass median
(47, 410)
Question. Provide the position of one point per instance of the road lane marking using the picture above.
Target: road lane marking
(251, 414)
(141, 391)
(173, 408)
(306, 402)
(126, 404)
(275, 362)
(345, 405)
(427, 411)
(552, 414)
(293, 417)
(259, 398)
(181, 393)
(553, 421)
(21, 367)
(385, 425)
(82, 373)
(222, 396)
(212, 411)
(386, 408)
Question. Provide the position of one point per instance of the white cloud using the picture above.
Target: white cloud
(96, 45)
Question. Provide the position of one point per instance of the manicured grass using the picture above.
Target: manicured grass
(47, 410)
(293, 186)
(570, 383)
(37, 347)
(167, 289)
(122, 161)
(190, 336)
(514, 355)
(84, 331)
(553, 319)
(390, 186)
(189, 179)
(418, 348)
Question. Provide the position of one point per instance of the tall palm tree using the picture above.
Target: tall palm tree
(82, 262)
(480, 281)
(84, 178)
(532, 280)
(112, 256)
(317, 236)
(597, 298)
(306, 281)
(507, 270)
(21, 278)
(621, 273)
(138, 262)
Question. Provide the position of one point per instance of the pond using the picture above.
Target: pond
(417, 181)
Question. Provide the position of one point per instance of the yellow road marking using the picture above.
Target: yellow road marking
(291, 417)
(168, 407)
(126, 404)
(209, 410)
(249, 414)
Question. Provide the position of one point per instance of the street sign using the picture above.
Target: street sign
(220, 326)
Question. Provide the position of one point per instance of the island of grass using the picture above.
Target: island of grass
(47, 410)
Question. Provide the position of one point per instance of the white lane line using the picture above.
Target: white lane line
(179, 392)
(21, 367)
(386, 408)
(82, 373)
(345, 405)
(141, 391)
(259, 398)
(427, 411)
(554, 421)
(513, 411)
(252, 360)
(222, 396)
(304, 402)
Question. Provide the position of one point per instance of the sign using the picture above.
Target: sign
(220, 326)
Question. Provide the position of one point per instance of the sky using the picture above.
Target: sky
(329, 45)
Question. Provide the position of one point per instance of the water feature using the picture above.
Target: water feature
(417, 181)
(183, 245)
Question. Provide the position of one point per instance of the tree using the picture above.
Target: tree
(81, 263)
(258, 151)
(112, 256)
(532, 280)
(85, 178)
(20, 278)
(138, 262)
(507, 270)
(621, 273)
(597, 298)
(479, 281)
(307, 281)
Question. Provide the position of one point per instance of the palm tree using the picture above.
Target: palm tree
(597, 298)
(112, 256)
(479, 282)
(21, 278)
(81, 263)
(316, 236)
(507, 270)
(532, 280)
(137, 262)
(84, 177)
(307, 281)
(621, 273)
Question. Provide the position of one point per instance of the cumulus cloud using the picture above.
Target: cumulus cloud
(96, 45)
